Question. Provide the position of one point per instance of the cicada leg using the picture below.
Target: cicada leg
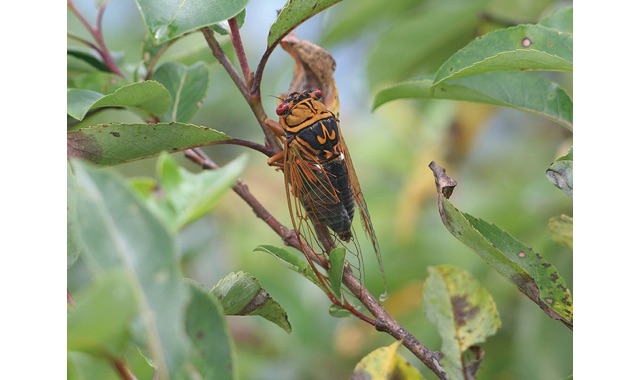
(275, 127)
(278, 158)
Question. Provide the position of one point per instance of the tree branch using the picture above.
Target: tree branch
(383, 321)
(386, 323)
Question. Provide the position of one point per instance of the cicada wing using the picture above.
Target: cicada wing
(365, 218)
(306, 186)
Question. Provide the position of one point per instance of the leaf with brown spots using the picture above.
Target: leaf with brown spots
(241, 294)
(112, 144)
(501, 68)
(385, 363)
(465, 315)
(560, 173)
(528, 270)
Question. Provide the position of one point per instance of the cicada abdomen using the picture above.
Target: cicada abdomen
(329, 201)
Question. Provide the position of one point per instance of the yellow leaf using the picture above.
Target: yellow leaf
(385, 363)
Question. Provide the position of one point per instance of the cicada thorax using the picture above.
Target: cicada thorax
(313, 138)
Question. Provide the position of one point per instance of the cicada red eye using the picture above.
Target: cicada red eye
(282, 108)
(317, 93)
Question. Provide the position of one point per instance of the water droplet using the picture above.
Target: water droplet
(161, 33)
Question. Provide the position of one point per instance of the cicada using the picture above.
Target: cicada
(322, 187)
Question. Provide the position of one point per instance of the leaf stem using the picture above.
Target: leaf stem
(236, 41)
(252, 98)
(96, 33)
(219, 54)
(151, 64)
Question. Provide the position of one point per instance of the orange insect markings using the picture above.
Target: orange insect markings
(326, 135)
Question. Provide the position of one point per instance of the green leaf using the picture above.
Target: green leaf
(524, 91)
(464, 313)
(168, 19)
(336, 259)
(118, 232)
(339, 311)
(294, 262)
(489, 70)
(385, 363)
(294, 13)
(525, 268)
(83, 366)
(98, 81)
(99, 321)
(561, 229)
(73, 245)
(111, 144)
(148, 96)
(213, 356)
(561, 20)
(523, 47)
(139, 364)
(560, 173)
(418, 89)
(241, 294)
(187, 86)
(89, 59)
(222, 29)
(186, 196)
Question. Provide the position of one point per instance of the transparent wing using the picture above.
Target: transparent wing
(365, 218)
(314, 205)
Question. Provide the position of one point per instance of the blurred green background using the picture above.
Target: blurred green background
(497, 155)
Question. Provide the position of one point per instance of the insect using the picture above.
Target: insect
(322, 186)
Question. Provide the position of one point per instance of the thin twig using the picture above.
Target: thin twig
(248, 144)
(83, 41)
(70, 300)
(122, 369)
(217, 52)
(153, 61)
(236, 41)
(96, 33)
(253, 99)
(257, 79)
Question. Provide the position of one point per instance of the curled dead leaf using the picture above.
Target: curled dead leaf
(314, 68)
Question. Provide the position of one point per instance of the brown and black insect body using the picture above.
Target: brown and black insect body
(319, 175)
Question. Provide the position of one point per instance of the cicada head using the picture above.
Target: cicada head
(300, 108)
